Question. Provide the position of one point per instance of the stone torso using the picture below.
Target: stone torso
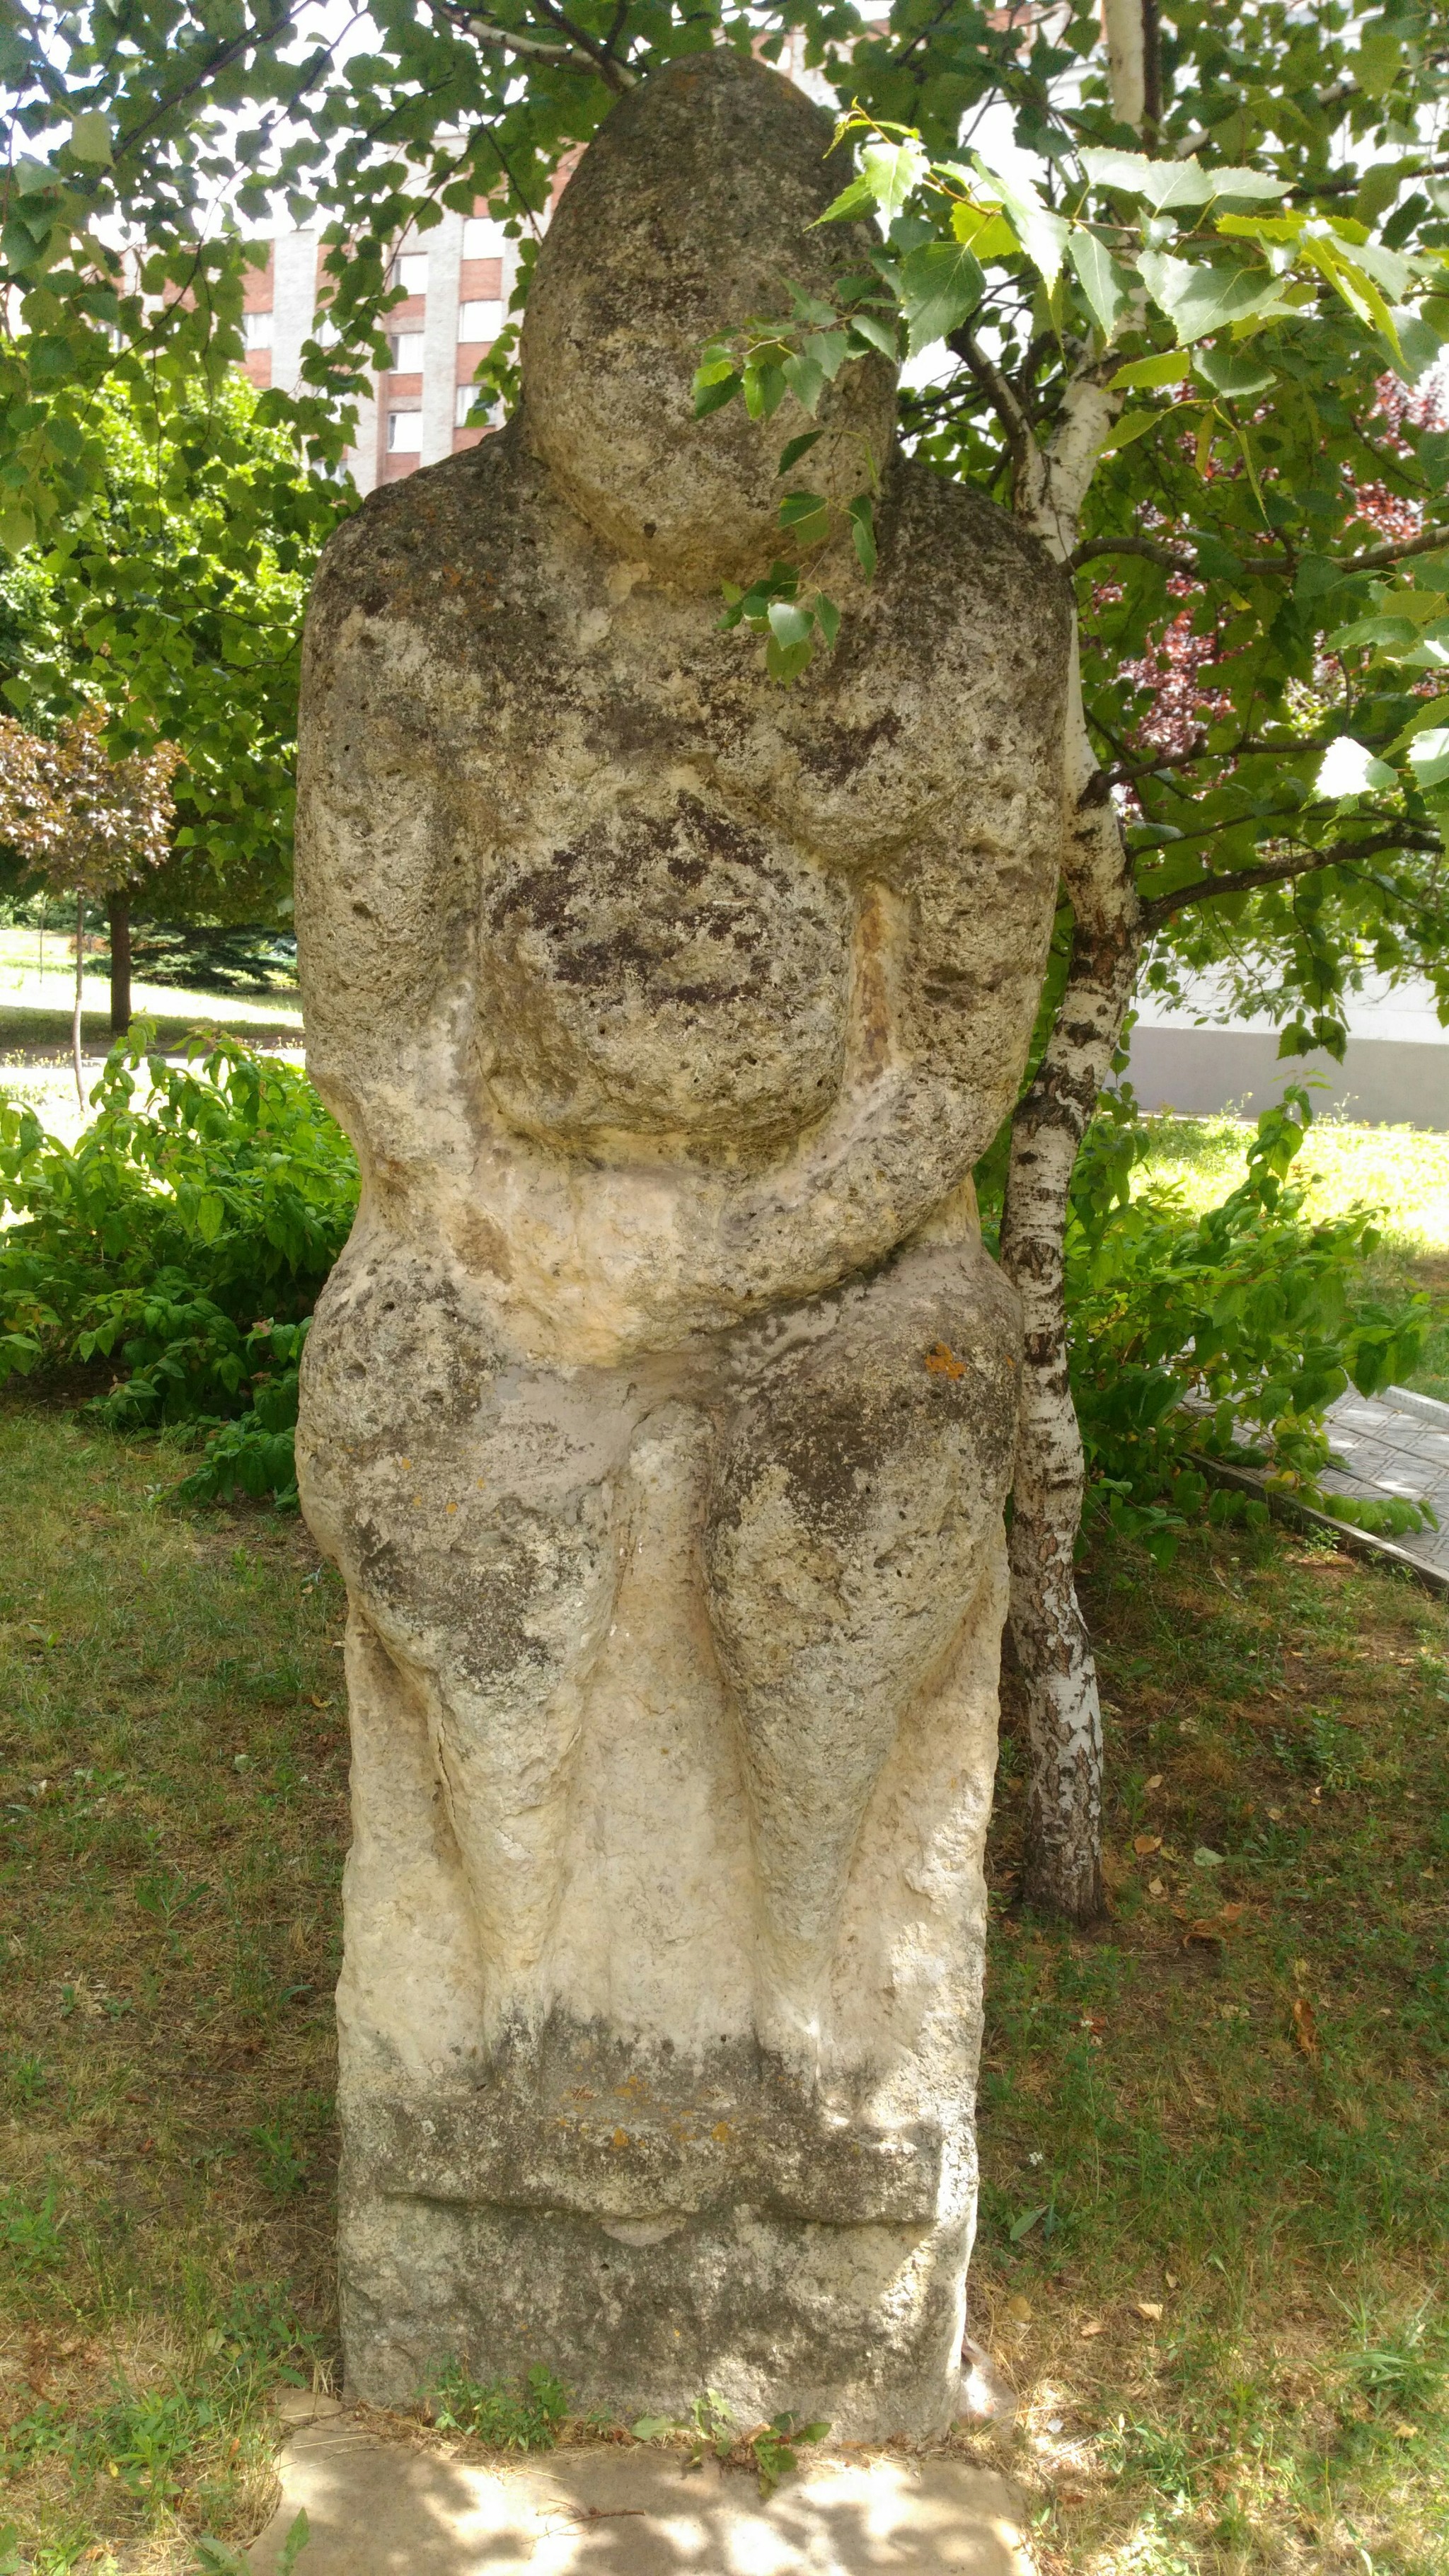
(628, 871)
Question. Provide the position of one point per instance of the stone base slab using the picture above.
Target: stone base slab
(859, 2325)
(378, 2509)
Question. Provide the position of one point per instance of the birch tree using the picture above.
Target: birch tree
(1120, 250)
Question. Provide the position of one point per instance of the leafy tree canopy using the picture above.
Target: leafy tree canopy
(1263, 474)
(169, 597)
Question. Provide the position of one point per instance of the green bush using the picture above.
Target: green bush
(1225, 1335)
(185, 1236)
(189, 1231)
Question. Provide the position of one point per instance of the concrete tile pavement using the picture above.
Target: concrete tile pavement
(1396, 1444)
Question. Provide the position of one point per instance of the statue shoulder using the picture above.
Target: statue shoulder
(952, 559)
(421, 552)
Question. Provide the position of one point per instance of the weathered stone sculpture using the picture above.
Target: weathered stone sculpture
(660, 1412)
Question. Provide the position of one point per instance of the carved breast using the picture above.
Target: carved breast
(669, 968)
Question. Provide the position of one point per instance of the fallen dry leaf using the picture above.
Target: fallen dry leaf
(1305, 2029)
(1155, 1887)
(1093, 2326)
(1151, 2309)
(1156, 1780)
(1019, 2310)
(1145, 1843)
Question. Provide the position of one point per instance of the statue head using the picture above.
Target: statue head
(690, 213)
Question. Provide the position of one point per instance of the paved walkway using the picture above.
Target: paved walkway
(388, 2509)
(1397, 1443)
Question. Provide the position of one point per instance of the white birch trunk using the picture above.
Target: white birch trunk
(75, 1025)
(1053, 1651)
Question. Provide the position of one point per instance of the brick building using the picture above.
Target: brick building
(458, 279)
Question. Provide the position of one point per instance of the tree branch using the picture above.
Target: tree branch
(568, 56)
(1000, 394)
(1373, 559)
(1297, 863)
(1171, 556)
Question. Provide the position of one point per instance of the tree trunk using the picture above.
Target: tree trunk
(119, 911)
(1134, 72)
(80, 968)
(1064, 1804)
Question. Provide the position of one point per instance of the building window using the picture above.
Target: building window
(479, 321)
(407, 353)
(410, 272)
(472, 400)
(257, 330)
(405, 433)
(483, 238)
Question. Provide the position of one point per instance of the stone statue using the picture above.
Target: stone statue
(660, 1412)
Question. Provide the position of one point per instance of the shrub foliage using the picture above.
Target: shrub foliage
(184, 1237)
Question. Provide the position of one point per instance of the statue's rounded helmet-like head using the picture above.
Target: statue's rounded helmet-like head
(691, 213)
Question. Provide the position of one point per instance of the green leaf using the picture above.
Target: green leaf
(795, 448)
(1388, 268)
(784, 662)
(857, 199)
(1132, 424)
(1168, 368)
(210, 1215)
(806, 516)
(1162, 183)
(1429, 757)
(1377, 63)
(294, 2544)
(1228, 373)
(861, 514)
(1042, 234)
(1198, 297)
(827, 616)
(765, 389)
(789, 623)
(893, 171)
(877, 335)
(1432, 711)
(1167, 185)
(1215, 561)
(940, 285)
(712, 392)
(1349, 769)
(1242, 187)
(1023, 2225)
(90, 137)
(649, 2427)
(1106, 285)
(806, 380)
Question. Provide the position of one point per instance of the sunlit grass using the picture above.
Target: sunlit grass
(1404, 1171)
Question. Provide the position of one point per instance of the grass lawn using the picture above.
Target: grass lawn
(1214, 2144)
(37, 996)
